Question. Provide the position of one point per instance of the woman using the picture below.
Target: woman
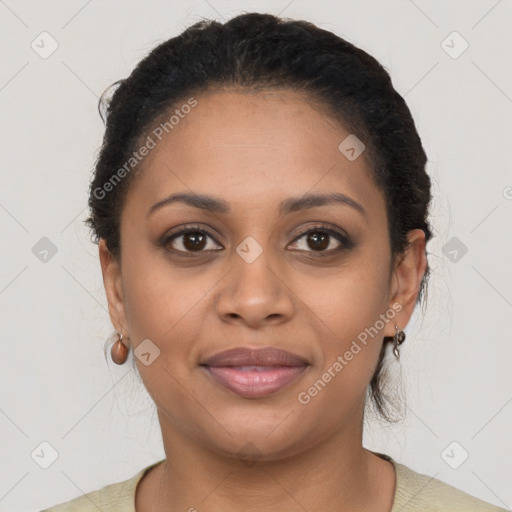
(261, 208)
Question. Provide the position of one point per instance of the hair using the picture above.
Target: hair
(253, 52)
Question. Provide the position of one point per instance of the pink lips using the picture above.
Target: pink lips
(254, 373)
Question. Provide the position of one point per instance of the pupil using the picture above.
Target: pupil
(320, 240)
(193, 241)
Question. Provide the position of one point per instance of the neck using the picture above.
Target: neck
(337, 474)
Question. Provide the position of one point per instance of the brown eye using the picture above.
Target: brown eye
(194, 241)
(322, 240)
(191, 240)
(318, 241)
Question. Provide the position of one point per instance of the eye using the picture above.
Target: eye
(322, 239)
(191, 239)
(194, 239)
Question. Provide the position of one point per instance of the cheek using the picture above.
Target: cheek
(351, 298)
(346, 310)
(166, 304)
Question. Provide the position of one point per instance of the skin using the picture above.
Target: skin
(254, 150)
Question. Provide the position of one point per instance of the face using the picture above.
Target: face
(265, 268)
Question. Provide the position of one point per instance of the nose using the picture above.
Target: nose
(255, 293)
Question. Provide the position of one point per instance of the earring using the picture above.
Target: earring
(398, 339)
(119, 351)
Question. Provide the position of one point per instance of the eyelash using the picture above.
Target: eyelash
(340, 237)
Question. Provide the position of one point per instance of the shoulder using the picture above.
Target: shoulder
(418, 492)
(116, 497)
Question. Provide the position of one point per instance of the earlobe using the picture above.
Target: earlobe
(407, 276)
(111, 271)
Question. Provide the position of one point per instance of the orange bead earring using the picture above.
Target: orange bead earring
(119, 351)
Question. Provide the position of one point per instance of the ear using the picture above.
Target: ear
(406, 278)
(111, 271)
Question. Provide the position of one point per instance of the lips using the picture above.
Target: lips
(255, 357)
(254, 373)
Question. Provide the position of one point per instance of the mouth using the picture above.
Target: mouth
(254, 373)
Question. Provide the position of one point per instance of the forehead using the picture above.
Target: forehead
(252, 148)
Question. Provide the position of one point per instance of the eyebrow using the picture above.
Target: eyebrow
(290, 205)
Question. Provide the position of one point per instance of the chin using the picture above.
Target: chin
(261, 432)
(253, 448)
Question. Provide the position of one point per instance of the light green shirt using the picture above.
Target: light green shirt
(414, 492)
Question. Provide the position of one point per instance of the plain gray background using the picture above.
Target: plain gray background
(55, 385)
